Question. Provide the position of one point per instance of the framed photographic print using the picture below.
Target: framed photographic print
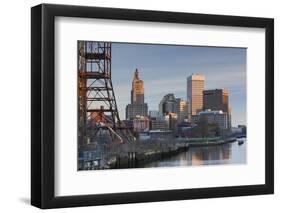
(139, 106)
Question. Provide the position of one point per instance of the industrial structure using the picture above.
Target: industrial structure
(98, 115)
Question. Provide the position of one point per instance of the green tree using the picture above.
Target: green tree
(203, 126)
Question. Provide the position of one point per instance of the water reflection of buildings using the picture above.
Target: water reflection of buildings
(200, 155)
(231, 153)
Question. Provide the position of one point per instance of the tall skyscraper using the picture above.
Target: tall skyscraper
(195, 87)
(137, 92)
(137, 107)
(217, 99)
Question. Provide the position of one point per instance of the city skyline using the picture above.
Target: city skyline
(223, 68)
(163, 82)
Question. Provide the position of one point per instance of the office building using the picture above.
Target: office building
(216, 100)
(141, 124)
(218, 117)
(181, 109)
(158, 123)
(137, 92)
(172, 121)
(168, 104)
(133, 110)
(153, 114)
(137, 107)
(195, 87)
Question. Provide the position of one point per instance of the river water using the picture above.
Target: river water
(231, 153)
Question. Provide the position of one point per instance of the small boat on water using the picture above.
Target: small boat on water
(241, 141)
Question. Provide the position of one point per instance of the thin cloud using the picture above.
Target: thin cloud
(164, 70)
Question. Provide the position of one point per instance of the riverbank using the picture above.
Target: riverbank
(211, 143)
(134, 159)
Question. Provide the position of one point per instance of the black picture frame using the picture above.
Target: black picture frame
(43, 105)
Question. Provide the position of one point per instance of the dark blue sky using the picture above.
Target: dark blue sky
(164, 69)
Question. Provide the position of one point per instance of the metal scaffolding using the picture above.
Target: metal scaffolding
(98, 114)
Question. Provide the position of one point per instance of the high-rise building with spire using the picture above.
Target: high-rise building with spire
(137, 107)
(137, 92)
